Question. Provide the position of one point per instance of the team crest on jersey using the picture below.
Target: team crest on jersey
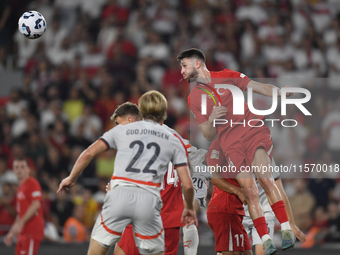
(215, 154)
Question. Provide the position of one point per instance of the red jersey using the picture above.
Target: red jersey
(29, 191)
(221, 201)
(223, 77)
(172, 198)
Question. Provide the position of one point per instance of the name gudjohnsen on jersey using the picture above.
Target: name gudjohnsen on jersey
(147, 132)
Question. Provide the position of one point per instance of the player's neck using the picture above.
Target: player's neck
(204, 75)
(21, 181)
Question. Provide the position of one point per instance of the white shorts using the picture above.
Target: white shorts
(201, 186)
(124, 205)
(251, 230)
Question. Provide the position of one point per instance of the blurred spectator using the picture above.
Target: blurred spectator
(54, 165)
(6, 175)
(58, 138)
(54, 35)
(91, 123)
(79, 138)
(92, 60)
(36, 149)
(15, 105)
(155, 53)
(74, 105)
(61, 210)
(251, 11)
(64, 54)
(5, 10)
(302, 202)
(74, 230)
(330, 36)
(316, 234)
(333, 59)
(18, 151)
(333, 222)
(331, 131)
(7, 204)
(309, 57)
(51, 114)
(91, 208)
(322, 189)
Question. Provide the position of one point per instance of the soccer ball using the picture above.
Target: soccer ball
(32, 24)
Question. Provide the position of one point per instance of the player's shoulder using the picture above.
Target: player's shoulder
(32, 182)
(227, 73)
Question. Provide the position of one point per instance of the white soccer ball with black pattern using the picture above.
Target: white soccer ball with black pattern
(32, 24)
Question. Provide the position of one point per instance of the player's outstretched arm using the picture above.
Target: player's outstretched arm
(226, 186)
(266, 89)
(188, 191)
(297, 232)
(82, 162)
(207, 128)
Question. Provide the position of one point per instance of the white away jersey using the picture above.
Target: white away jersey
(144, 150)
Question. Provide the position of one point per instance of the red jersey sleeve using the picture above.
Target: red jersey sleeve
(34, 190)
(232, 77)
(194, 101)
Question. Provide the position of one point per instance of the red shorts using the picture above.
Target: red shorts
(240, 152)
(230, 234)
(171, 237)
(26, 245)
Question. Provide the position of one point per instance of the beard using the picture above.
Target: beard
(192, 76)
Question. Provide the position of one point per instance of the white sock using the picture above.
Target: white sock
(285, 226)
(190, 240)
(265, 238)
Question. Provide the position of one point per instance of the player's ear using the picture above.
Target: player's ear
(198, 64)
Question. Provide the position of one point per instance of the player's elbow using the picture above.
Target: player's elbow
(88, 154)
(189, 188)
(36, 204)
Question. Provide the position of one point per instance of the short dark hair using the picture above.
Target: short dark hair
(127, 108)
(192, 53)
(22, 158)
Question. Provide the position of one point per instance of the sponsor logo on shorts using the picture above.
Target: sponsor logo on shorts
(215, 154)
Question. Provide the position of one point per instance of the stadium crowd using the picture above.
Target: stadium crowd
(96, 55)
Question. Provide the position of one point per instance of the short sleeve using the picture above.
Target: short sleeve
(239, 79)
(109, 138)
(180, 153)
(35, 192)
(194, 105)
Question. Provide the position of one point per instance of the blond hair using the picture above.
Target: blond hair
(153, 106)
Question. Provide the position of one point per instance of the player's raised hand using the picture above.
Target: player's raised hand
(218, 112)
(66, 184)
(189, 216)
(298, 233)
